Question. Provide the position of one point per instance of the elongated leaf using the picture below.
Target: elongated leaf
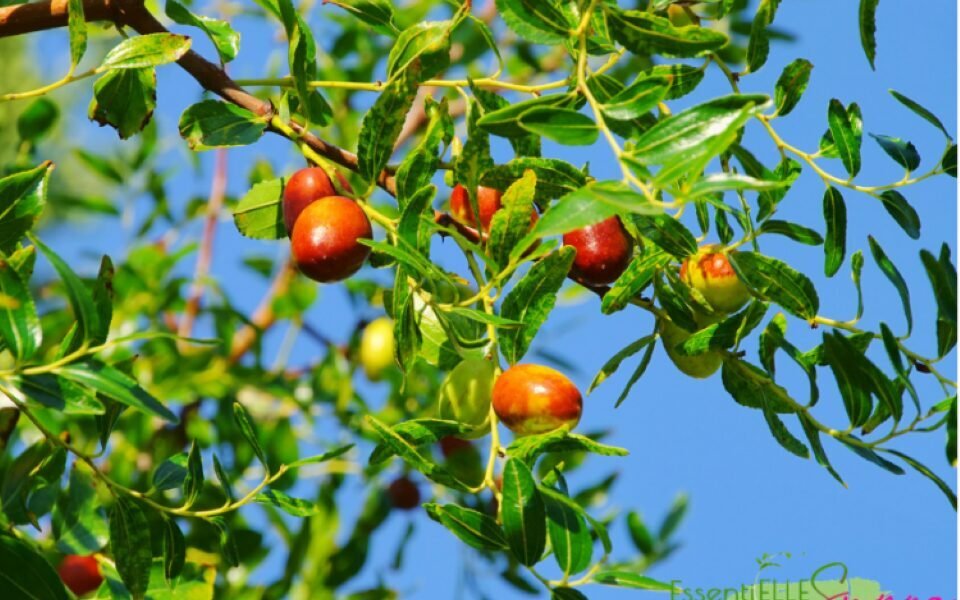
(116, 385)
(569, 537)
(77, 26)
(213, 124)
(903, 152)
(835, 245)
(758, 47)
(868, 30)
(637, 374)
(795, 232)
(378, 14)
(78, 517)
(902, 212)
(381, 124)
(174, 550)
(871, 456)
(288, 504)
(562, 125)
(511, 223)
(534, 20)
(130, 546)
(668, 233)
(528, 448)
(81, 300)
(638, 98)
(920, 111)
(791, 85)
(259, 214)
(554, 177)
(147, 50)
(472, 527)
(721, 182)
(893, 274)
(531, 300)
(644, 33)
(22, 198)
(412, 455)
(248, 429)
(417, 432)
(638, 276)
(783, 436)
(428, 43)
(505, 121)
(775, 281)
(523, 514)
(223, 36)
(926, 472)
(26, 574)
(611, 366)
(750, 386)
(845, 136)
(631, 580)
(19, 323)
(813, 438)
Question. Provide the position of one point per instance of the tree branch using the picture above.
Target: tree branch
(27, 18)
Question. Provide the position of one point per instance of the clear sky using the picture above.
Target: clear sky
(747, 495)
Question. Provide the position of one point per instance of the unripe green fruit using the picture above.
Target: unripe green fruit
(709, 272)
(700, 366)
(465, 396)
(377, 347)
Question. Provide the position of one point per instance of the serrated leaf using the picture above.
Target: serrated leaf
(505, 121)
(751, 387)
(758, 46)
(512, 222)
(412, 456)
(668, 233)
(78, 517)
(382, 124)
(259, 214)
(378, 14)
(417, 432)
(174, 550)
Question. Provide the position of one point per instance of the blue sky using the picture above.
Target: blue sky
(747, 495)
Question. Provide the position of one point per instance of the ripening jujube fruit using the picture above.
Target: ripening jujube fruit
(451, 445)
(302, 189)
(325, 239)
(80, 573)
(465, 395)
(603, 250)
(376, 347)
(404, 494)
(700, 366)
(709, 272)
(531, 399)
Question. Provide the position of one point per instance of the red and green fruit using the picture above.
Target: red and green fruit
(700, 366)
(603, 250)
(302, 189)
(465, 395)
(709, 272)
(325, 240)
(532, 399)
(80, 573)
(377, 347)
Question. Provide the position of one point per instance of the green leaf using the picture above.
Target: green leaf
(611, 366)
(751, 387)
(378, 14)
(528, 145)
(783, 436)
(871, 456)
(587, 205)
(858, 378)
(567, 593)
(223, 36)
(213, 124)
(638, 98)
(952, 433)
(26, 574)
(893, 274)
(528, 448)
(668, 233)
(171, 473)
(637, 374)
(943, 279)
(856, 269)
(412, 456)
(791, 85)
(639, 534)
(721, 182)
(193, 479)
(949, 162)
(475, 157)
(569, 537)
(523, 514)
(926, 472)
(902, 212)
(130, 545)
(382, 124)
(758, 46)
(174, 550)
(795, 232)
(37, 120)
(259, 214)
(775, 281)
(228, 545)
(903, 152)
(249, 431)
(511, 223)
(554, 177)
(638, 275)
(125, 100)
(562, 125)
(684, 78)
(724, 334)
(22, 198)
(81, 300)
(77, 26)
(835, 245)
(643, 33)
(632, 580)
(78, 518)
(685, 142)
(416, 432)
(868, 30)
(845, 135)
(147, 50)
(428, 43)
(920, 111)
(534, 20)
(531, 300)
(505, 121)
(292, 506)
(19, 324)
(116, 385)
(472, 527)
(813, 438)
